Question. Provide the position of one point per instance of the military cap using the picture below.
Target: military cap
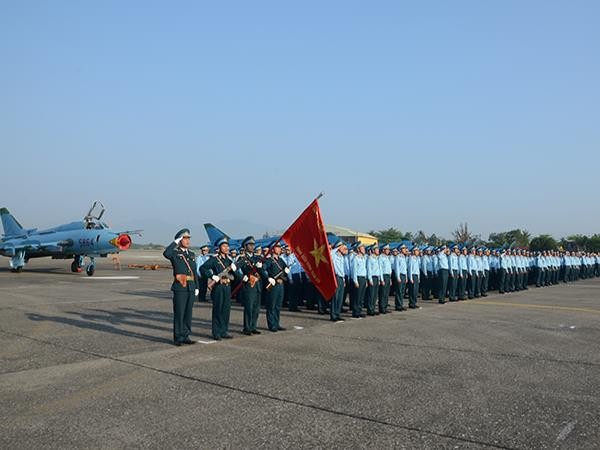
(205, 246)
(338, 244)
(248, 240)
(276, 244)
(221, 241)
(384, 246)
(183, 233)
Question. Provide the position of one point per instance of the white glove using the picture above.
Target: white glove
(245, 279)
(233, 267)
(272, 281)
(215, 278)
(196, 292)
(259, 265)
(177, 241)
(286, 270)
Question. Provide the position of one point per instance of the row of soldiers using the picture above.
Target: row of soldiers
(366, 278)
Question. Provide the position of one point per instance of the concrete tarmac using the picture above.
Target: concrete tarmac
(89, 363)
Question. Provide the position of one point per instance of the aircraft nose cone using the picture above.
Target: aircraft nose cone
(122, 242)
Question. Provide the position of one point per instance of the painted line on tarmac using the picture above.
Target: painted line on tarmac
(110, 278)
(525, 305)
(566, 431)
(205, 342)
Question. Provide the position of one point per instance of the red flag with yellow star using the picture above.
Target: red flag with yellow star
(308, 240)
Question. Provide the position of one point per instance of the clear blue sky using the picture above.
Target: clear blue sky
(418, 115)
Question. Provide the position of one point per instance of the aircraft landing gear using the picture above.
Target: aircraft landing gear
(91, 268)
(17, 262)
(76, 264)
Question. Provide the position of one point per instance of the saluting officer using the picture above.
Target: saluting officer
(222, 271)
(275, 272)
(183, 287)
(250, 292)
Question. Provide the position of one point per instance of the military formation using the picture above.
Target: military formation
(367, 276)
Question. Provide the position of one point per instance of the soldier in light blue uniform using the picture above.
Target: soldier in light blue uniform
(540, 267)
(339, 251)
(479, 264)
(520, 270)
(485, 264)
(436, 268)
(202, 282)
(503, 272)
(347, 288)
(294, 283)
(426, 274)
(385, 264)
(443, 268)
(472, 268)
(566, 264)
(494, 270)
(513, 270)
(463, 273)
(359, 280)
(414, 270)
(401, 273)
(453, 273)
(374, 279)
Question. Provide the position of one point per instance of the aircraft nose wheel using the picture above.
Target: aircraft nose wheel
(90, 270)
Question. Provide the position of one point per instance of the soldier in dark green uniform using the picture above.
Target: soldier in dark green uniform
(275, 272)
(221, 270)
(250, 266)
(184, 286)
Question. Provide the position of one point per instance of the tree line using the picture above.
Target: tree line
(507, 239)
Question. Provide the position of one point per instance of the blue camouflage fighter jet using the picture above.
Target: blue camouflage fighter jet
(84, 238)
(214, 234)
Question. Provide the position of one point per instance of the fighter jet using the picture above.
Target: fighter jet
(214, 234)
(89, 238)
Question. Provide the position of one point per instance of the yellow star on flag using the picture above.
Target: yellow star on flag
(317, 253)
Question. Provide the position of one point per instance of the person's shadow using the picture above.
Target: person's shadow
(125, 322)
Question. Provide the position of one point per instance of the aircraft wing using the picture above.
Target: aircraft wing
(32, 245)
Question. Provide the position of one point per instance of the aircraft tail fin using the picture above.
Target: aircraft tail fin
(11, 226)
(214, 234)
